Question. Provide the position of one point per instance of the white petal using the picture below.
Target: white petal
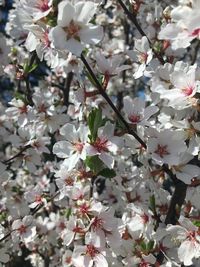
(74, 46)
(66, 13)
(62, 149)
(91, 35)
(186, 252)
(85, 11)
(58, 36)
(107, 160)
(69, 132)
(68, 237)
(100, 261)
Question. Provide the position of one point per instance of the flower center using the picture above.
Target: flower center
(143, 57)
(134, 118)
(101, 144)
(46, 40)
(196, 32)
(68, 260)
(145, 218)
(38, 199)
(69, 181)
(97, 223)
(78, 230)
(22, 229)
(161, 151)
(78, 147)
(191, 235)
(62, 225)
(91, 250)
(187, 91)
(144, 264)
(43, 5)
(84, 208)
(72, 30)
(23, 109)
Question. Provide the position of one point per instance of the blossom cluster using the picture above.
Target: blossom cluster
(100, 139)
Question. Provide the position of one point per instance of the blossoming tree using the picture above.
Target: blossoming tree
(100, 137)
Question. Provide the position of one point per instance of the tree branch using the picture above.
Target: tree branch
(133, 19)
(109, 101)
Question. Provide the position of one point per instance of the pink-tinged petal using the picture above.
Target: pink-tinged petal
(69, 132)
(62, 149)
(178, 230)
(3, 256)
(58, 36)
(91, 34)
(102, 63)
(82, 261)
(74, 46)
(172, 94)
(66, 13)
(107, 160)
(68, 237)
(100, 261)
(16, 224)
(149, 111)
(169, 32)
(128, 105)
(181, 80)
(72, 160)
(27, 220)
(31, 42)
(185, 222)
(85, 11)
(187, 251)
(91, 150)
(122, 68)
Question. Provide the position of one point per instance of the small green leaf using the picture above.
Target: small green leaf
(94, 163)
(143, 246)
(108, 173)
(197, 223)
(150, 245)
(94, 122)
(29, 69)
(152, 204)
(20, 96)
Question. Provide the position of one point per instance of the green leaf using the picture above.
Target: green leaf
(143, 246)
(94, 122)
(108, 173)
(17, 95)
(197, 223)
(152, 204)
(94, 163)
(150, 245)
(29, 69)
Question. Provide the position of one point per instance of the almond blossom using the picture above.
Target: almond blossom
(23, 230)
(105, 143)
(37, 8)
(136, 112)
(142, 54)
(89, 255)
(183, 91)
(166, 147)
(73, 30)
(187, 234)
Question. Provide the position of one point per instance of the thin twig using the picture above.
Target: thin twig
(20, 153)
(66, 89)
(33, 212)
(133, 19)
(196, 52)
(109, 101)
